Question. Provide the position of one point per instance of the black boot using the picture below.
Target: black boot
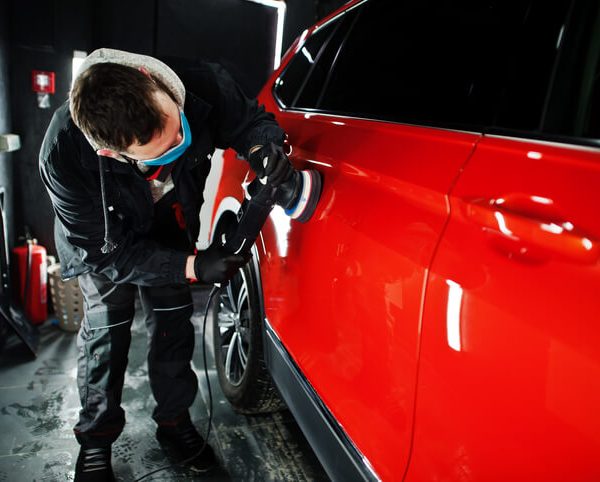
(93, 465)
(183, 441)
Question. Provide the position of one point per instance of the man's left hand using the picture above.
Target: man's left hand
(271, 162)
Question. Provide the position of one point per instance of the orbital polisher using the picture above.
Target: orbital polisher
(298, 195)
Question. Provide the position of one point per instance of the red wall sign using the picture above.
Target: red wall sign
(42, 82)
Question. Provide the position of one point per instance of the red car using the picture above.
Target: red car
(438, 318)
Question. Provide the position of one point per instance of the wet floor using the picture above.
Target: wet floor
(39, 406)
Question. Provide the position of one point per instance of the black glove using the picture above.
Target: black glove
(217, 265)
(270, 161)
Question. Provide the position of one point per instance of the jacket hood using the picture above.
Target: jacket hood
(154, 66)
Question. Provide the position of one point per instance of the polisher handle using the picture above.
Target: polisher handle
(251, 217)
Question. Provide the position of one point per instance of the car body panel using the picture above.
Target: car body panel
(363, 256)
(508, 381)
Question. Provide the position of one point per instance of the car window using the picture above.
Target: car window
(589, 104)
(574, 106)
(290, 83)
(308, 96)
(465, 63)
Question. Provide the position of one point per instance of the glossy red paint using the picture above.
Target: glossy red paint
(508, 383)
(344, 291)
(442, 301)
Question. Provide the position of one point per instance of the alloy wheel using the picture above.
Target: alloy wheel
(233, 320)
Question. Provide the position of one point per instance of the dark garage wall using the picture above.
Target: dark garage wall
(43, 34)
(39, 41)
(239, 35)
(6, 159)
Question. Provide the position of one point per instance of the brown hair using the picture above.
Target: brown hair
(114, 105)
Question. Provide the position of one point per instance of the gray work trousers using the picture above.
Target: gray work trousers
(103, 344)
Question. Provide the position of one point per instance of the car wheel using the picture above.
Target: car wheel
(237, 333)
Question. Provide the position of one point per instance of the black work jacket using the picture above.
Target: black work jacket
(220, 116)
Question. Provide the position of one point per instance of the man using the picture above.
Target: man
(125, 161)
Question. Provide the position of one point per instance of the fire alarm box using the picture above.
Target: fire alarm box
(42, 82)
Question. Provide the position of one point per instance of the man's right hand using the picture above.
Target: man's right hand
(217, 265)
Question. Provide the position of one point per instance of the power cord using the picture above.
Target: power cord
(210, 397)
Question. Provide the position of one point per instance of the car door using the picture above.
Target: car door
(509, 382)
(345, 292)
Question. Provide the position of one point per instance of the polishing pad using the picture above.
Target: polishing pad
(305, 205)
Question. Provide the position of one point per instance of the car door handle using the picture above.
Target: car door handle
(527, 222)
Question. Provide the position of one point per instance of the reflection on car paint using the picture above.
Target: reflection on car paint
(455, 295)
(282, 224)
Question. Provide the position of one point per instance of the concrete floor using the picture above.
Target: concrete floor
(39, 405)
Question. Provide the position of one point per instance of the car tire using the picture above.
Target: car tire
(238, 345)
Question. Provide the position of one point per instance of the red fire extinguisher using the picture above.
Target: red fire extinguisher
(32, 279)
